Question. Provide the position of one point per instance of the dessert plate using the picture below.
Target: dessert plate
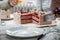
(24, 32)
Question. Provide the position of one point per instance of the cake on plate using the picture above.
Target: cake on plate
(34, 16)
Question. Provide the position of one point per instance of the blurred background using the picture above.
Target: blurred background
(25, 4)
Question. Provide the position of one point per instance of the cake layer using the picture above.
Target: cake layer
(25, 21)
(26, 17)
(29, 21)
(26, 14)
(35, 16)
(35, 22)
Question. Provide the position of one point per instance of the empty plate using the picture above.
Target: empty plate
(24, 31)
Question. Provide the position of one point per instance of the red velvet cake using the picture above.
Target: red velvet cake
(36, 17)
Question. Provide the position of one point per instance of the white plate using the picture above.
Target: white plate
(24, 31)
(35, 25)
(50, 25)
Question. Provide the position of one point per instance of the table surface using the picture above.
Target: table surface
(3, 28)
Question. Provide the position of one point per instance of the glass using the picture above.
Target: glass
(45, 4)
(58, 22)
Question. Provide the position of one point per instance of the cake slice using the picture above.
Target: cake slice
(42, 18)
(23, 18)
